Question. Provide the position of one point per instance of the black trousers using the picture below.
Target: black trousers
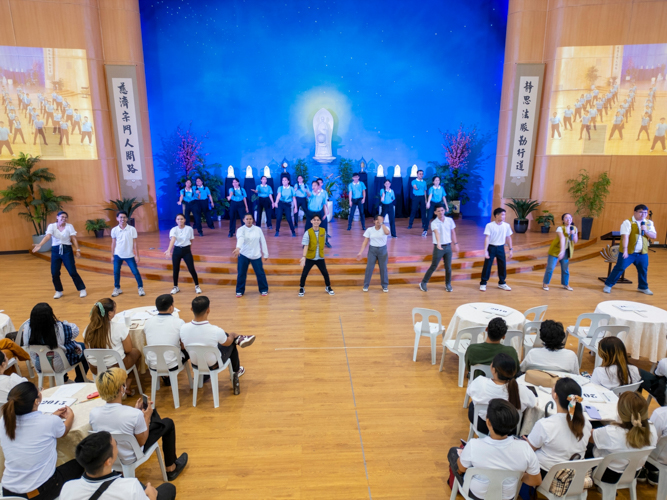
(654, 385)
(453, 457)
(206, 212)
(495, 252)
(227, 352)
(51, 488)
(390, 210)
(264, 204)
(356, 204)
(189, 208)
(321, 265)
(236, 208)
(284, 207)
(301, 203)
(184, 253)
(163, 428)
(419, 203)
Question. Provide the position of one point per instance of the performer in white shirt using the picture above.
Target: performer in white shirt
(497, 233)
(124, 249)
(181, 238)
(376, 236)
(444, 234)
(636, 234)
(250, 249)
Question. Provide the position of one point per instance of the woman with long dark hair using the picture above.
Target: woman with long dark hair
(43, 328)
(615, 370)
(502, 385)
(556, 438)
(436, 198)
(102, 333)
(187, 200)
(63, 237)
(28, 438)
(561, 250)
(181, 244)
(301, 197)
(238, 205)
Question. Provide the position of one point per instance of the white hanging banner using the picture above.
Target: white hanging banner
(524, 129)
(126, 114)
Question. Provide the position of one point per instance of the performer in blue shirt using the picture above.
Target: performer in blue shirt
(301, 197)
(617, 124)
(264, 202)
(567, 118)
(285, 204)
(317, 205)
(436, 198)
(187, 199)
(646, 121)
(357, 195)
(202, 197)
(418, 190)
(388, 201)
(238, 205)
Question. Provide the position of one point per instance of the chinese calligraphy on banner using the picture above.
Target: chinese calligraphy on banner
(524, 129)
(127, 115)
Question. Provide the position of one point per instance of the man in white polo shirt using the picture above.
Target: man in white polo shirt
(124, 249)
(443, 231)
(200, 331)
(164, 329)
(96, 453)
(496, 233)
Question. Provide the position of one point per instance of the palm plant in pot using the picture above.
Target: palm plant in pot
(127, 205)
(589, 198)
(546, 219)
(96, 226)
(522, 208)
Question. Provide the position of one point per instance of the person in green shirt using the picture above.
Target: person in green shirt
(483, 354)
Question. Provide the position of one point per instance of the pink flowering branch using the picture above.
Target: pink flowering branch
(189, 155)
(458, 147)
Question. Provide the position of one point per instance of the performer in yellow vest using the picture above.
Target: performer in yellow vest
(561, 250)
(313, 243)
(635, 236)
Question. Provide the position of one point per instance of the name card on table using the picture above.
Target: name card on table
(498, 311)
(49, 405)
(630, 307)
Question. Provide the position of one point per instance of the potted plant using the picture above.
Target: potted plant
(522, 208)
(96, 226)
(300, 168)
(128, 205)
(546, 219)
(589, 198)
(38, 202)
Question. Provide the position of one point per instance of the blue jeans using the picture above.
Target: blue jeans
(640, 260)
(117, 262)
(242, 274)
(67, 258)
(564, 270)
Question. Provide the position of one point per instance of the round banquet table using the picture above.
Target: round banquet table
(6, 325)
(137, 335)
(607, 409)
(66, 445)
(469, 315)
(648, 328)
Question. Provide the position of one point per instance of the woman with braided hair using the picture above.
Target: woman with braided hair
(557, 438)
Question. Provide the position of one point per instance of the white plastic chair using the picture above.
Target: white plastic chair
(99, 354)
(495, 477)
(45, 365)
(19, 341)
(163, 369)
(531, 336)
(14, 362)
(425, 328)
(460, 345)
(627, 480)
(627, 388)
(128, 469)
(473, 424)
(660, 448)
(540, 313)
(581, 332)
(576, 491)
(200, 351)
(591, 343)
(510, 336)
(476, 368)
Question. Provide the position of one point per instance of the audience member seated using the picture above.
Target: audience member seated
(164, 329)
(483, 354)
(634, 432)
(102, 333)
(656, 383)
(554, 355)
(557, 438)
(28, 438)
(144, 424)
(200, 331)
(502, 385)
(615, 370)
(97, 454)
(659, 420)
(7, 382)
(497, 451)
(12, 350)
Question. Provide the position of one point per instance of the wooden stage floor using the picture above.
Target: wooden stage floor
(331, 405)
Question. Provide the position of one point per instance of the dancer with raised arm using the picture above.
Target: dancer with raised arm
(376, 238)
(496, 234)
(180, 243)
(444, 234)
(436, 198)
(561, 250)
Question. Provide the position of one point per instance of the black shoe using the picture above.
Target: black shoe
(653, 477)
(237, 386)
(329, 290)
(293, 234)
(349, 228)
(643, 475)
(166, 381)
(302, 292)
(181, 462)
(211, 227)
(230, 235)
(201, 234)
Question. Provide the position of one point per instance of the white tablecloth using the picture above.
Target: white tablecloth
(648, 329)
(137, 329)
(66, 445)
(469, 315)
(607, 409)
(6, 325)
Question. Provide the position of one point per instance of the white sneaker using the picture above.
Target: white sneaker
(504, 287)
(365, 289)
(116, 292)
(141, 292)
(482, 288)
(175, 290)
(197, 289)
(58, 295)
(83, 293)
(646, 291)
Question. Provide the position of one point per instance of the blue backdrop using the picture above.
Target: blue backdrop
(393, 73)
